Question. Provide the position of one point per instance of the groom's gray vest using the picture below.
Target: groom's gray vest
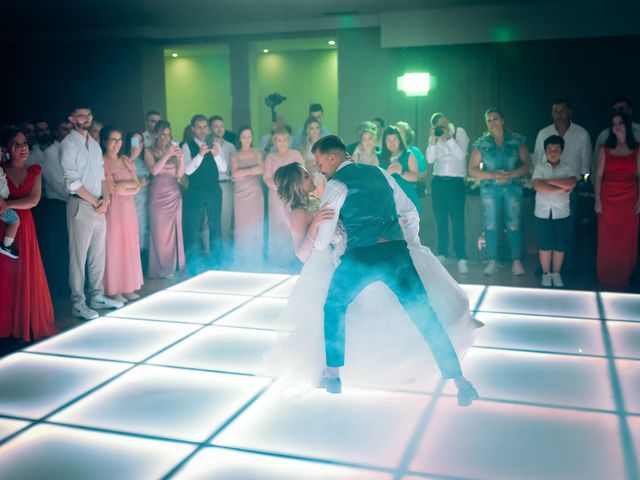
(369, 211)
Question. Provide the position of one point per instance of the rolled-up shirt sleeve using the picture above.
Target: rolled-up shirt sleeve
(334, 195)
(406, 210)
(190, 164)
(69, 163)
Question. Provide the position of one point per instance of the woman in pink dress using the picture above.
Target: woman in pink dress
(281, 251)
(123, 268)
(166, 163)
(25, 303)
(247, 168)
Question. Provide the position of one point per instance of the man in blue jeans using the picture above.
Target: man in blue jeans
(376, 251)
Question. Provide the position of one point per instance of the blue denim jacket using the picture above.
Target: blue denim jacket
(496, 158)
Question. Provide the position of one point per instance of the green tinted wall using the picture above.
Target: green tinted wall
(197, 84)
(304, 77)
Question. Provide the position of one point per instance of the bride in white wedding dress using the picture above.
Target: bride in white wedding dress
(383, 346)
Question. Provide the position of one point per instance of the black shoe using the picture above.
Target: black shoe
(11, 251)
(331, 384)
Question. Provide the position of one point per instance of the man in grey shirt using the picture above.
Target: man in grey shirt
(83, 168)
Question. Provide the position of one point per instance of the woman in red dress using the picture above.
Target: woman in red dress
(25, 303)
(617, 203)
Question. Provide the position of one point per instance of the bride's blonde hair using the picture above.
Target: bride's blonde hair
(288, 181)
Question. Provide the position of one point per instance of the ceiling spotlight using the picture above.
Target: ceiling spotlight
(174, 55)
(331, 42)
(265, 50)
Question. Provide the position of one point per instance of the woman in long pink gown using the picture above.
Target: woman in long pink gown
(123, 268)
(281, 252)
(247, 168)
(166, 163)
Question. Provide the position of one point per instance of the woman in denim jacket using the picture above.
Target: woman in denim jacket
(500, 158)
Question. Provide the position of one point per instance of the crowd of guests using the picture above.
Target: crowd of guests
(141, 201)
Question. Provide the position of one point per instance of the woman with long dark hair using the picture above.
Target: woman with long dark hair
(26, 311)
(617, 203)
(123, 268)
(400, 162)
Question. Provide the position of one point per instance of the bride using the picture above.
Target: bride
(383, 347)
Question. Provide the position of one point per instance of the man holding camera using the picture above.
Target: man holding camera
(204, 196)
(447, 151)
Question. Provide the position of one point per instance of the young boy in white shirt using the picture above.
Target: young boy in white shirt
(553, 181)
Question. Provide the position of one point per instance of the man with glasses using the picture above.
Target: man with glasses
(83, 167)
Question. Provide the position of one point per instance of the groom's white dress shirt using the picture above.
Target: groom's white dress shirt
(335, 194)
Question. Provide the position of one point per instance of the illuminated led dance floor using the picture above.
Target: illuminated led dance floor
(167, 388)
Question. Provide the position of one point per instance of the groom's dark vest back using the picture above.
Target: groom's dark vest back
(205, 178)
(369, 211)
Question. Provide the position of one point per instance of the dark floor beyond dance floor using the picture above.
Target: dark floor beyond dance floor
(167, 388)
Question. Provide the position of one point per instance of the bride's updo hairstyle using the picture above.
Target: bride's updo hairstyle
(288, 182)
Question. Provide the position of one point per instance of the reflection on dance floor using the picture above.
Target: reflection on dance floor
(171, 387)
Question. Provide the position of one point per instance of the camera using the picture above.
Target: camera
(439, 131)
(274, 100)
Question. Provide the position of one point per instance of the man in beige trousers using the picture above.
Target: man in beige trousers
(82, 164)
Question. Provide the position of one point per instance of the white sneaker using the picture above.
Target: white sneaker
(517, 269)
(557, 280)
(442, 259)
(80, 310)
(546, 280)
(492, 268)
(462, 266)
(100, 302)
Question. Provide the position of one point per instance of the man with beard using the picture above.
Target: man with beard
(41, 142)
(83, 167)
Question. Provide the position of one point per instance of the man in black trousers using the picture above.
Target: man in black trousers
(203, 197)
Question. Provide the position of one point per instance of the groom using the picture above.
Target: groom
(370, 204)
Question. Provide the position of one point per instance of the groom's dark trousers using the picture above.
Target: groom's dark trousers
(390, 263)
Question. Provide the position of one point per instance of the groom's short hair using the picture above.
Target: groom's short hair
(329, 144)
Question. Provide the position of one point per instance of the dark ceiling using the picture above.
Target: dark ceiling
(26, 17)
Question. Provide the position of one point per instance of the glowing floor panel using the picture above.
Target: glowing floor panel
(173, 386)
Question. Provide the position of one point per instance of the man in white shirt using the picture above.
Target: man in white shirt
(51, 216)
(375, 251)
(223, 159)
(203, 197)
(42, 141)
(619, 105)
(83, 167)
(576, 156)
(150, 120)
(447, 152)
(553, 182)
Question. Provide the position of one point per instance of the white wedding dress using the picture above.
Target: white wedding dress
(383, 347)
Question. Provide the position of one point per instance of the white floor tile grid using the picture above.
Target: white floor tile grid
(557, 308)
